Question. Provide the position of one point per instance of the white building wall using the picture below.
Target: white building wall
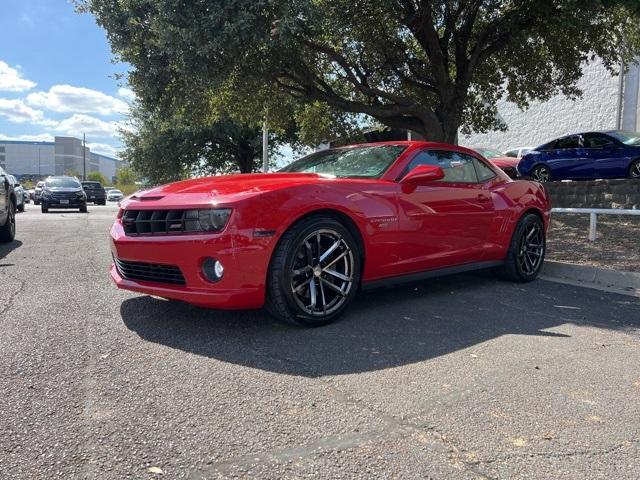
(542, 122)
(24, 159)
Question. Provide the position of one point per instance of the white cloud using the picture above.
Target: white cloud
(104, 148)
(11, 80)
(78, 124)
(127, 94)
(66, 98)
(17, 112)
(42, 137)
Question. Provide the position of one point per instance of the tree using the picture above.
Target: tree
(125, 176)
(428, 66)
(97, 177)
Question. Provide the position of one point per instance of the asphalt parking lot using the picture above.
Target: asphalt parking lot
(461, 377)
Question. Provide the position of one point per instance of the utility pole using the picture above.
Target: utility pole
(84, 157)
(265, 146)
(620, 97)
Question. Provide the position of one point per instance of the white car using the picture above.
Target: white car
(114, 195)
(19, 191)
(518, 152)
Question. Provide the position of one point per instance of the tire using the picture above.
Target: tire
(634, 169)
(526, 251)
(21, 207)
(8, 230)
(44, 208)
(35, 202)
(541, 173)
(295, 263)
(83, 209)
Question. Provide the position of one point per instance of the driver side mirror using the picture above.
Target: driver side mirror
(423, 174)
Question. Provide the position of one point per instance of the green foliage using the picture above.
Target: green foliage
(97, 177)
(429, 66)
(126, 176)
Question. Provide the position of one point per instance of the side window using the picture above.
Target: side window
(484, 172)
(597, 140)
(458, 168)
(569, 142)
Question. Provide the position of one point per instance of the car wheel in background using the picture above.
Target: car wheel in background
(21, 207)
(83, 209)
(526, 251)
(35, 202)
(634, 169)
(541, 174)
(8, 230)
(314, 273)
(44, 208)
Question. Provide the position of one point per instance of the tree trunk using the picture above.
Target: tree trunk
(245, 157)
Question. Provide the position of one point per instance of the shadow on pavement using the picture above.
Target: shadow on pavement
(382, 329)
(7, 248)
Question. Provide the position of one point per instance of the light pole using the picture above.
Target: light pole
(265, 146)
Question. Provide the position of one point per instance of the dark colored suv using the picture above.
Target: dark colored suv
(63, 192)
(7, 209)
(95, 192)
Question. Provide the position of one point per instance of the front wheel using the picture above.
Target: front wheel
(8, 230)
(634, 169)
(541, 174)
(314, 273)
(83, 209)
(44, 208)
(526, 252)
(21, 207)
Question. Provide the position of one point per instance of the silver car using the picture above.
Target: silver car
(114, 195)
(19, 191)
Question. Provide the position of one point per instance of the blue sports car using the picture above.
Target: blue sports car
(584, 156)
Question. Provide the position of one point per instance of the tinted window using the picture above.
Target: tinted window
(483, 171)
(363, 162)
(458, 168)
(568, 142)
(628, 138)
(62, 183)
(597, 140)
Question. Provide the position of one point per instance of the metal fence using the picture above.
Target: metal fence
(593, 215)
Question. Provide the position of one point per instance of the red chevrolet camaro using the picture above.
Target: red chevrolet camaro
(302, 241)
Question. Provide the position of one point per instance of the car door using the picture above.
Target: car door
(4, 193)
(446, 222)
(569, 159)
(608, 156)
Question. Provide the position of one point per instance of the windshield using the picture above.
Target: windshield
(62, 183)
(628, 138)
(358, 162)
(489, 152)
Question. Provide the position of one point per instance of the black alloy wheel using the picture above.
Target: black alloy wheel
(315, 272)
(527, 249)
(541, 174)
(634, 169)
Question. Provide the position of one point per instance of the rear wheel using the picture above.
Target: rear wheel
(526, 252)
(541, 174)
(8, 230)
(634, 169)
(44, 208)
(314, 273)
(21, 207)
(83, 209)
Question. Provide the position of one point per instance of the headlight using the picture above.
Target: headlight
(206, 220)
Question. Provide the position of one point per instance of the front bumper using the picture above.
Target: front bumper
(245, 264)
(56, 203)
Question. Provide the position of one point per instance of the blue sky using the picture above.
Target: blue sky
(57, 77)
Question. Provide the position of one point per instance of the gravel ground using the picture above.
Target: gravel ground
(464, 377)
(617, 245)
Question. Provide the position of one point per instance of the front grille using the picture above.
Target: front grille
(64, 195)
(511, 171)
(159, 222)
(149, 272)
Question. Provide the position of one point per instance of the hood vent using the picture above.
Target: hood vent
(147, 198)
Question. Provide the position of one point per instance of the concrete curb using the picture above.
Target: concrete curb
(627, 283)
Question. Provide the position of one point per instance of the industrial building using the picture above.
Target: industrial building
(65, 154)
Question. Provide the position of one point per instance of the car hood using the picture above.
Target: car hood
(505, 161)
(223, 189)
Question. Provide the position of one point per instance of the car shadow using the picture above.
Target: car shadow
(382, 329)
(7, 248)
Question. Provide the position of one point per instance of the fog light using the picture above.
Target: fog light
(212, 269)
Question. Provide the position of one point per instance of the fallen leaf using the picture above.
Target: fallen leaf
(155, 470)
(548, 436)
(519, 442)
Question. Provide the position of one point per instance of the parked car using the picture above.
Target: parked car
(114, 195)
(63, 192)
(19, 191)
(584, 156)
(518, 152)
(95, 192)
(37, 192)
(304, 240)
(8, 203)
(509, 165)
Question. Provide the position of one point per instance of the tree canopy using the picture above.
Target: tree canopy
(430, 66)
